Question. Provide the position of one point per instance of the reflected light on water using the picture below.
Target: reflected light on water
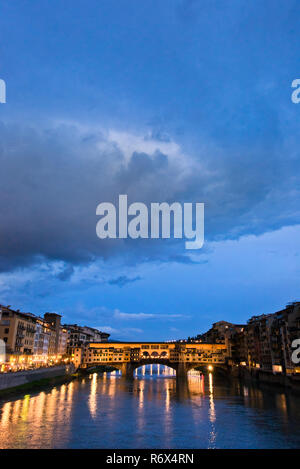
(141, 394)
(5, 414)
(211, 398)
(70, 392)
(154, 370)
(22, 422)
(152, 409)
(62, 393)
(25, 406)
(93, 396)
(212, 413)
(281, 404)
(167, 400)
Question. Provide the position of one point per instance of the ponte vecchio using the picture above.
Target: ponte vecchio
(127, 356)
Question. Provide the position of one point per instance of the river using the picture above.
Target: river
(151, 411)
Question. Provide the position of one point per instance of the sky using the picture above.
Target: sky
(180, 100)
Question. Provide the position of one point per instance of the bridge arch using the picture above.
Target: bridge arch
(127, 369)
(208, 368)
(154, 361)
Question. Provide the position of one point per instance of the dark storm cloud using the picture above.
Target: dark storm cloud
(66, 273)
(123, 280)
(53, 179)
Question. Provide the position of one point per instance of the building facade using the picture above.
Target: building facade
(79, 336)
(30, 339)
(266, 341)
(135, 352)
(42, 338)
(17, 330)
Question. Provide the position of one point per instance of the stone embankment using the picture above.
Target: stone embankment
(21, 378)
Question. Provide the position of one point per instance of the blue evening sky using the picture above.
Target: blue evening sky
(173, 100)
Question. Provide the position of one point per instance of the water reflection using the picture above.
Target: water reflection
(36, 418)
(153, 410)
(93, 395)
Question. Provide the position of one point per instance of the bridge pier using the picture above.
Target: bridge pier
(181, 372)
(127, 370)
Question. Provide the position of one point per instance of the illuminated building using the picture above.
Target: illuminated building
(128, 356)
(17, 330)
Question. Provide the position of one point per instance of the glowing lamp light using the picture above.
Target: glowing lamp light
(210, 368)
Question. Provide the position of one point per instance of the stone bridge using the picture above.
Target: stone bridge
(127, 356)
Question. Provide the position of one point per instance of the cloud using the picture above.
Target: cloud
(54, 178)
(108, 329)
(185, 259)
(123, 280)
(126, 332)
(144, 316)
(66, 273)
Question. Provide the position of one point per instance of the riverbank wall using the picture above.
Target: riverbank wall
(22, 378)
(278, 379)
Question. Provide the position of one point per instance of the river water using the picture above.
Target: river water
(152, 411)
